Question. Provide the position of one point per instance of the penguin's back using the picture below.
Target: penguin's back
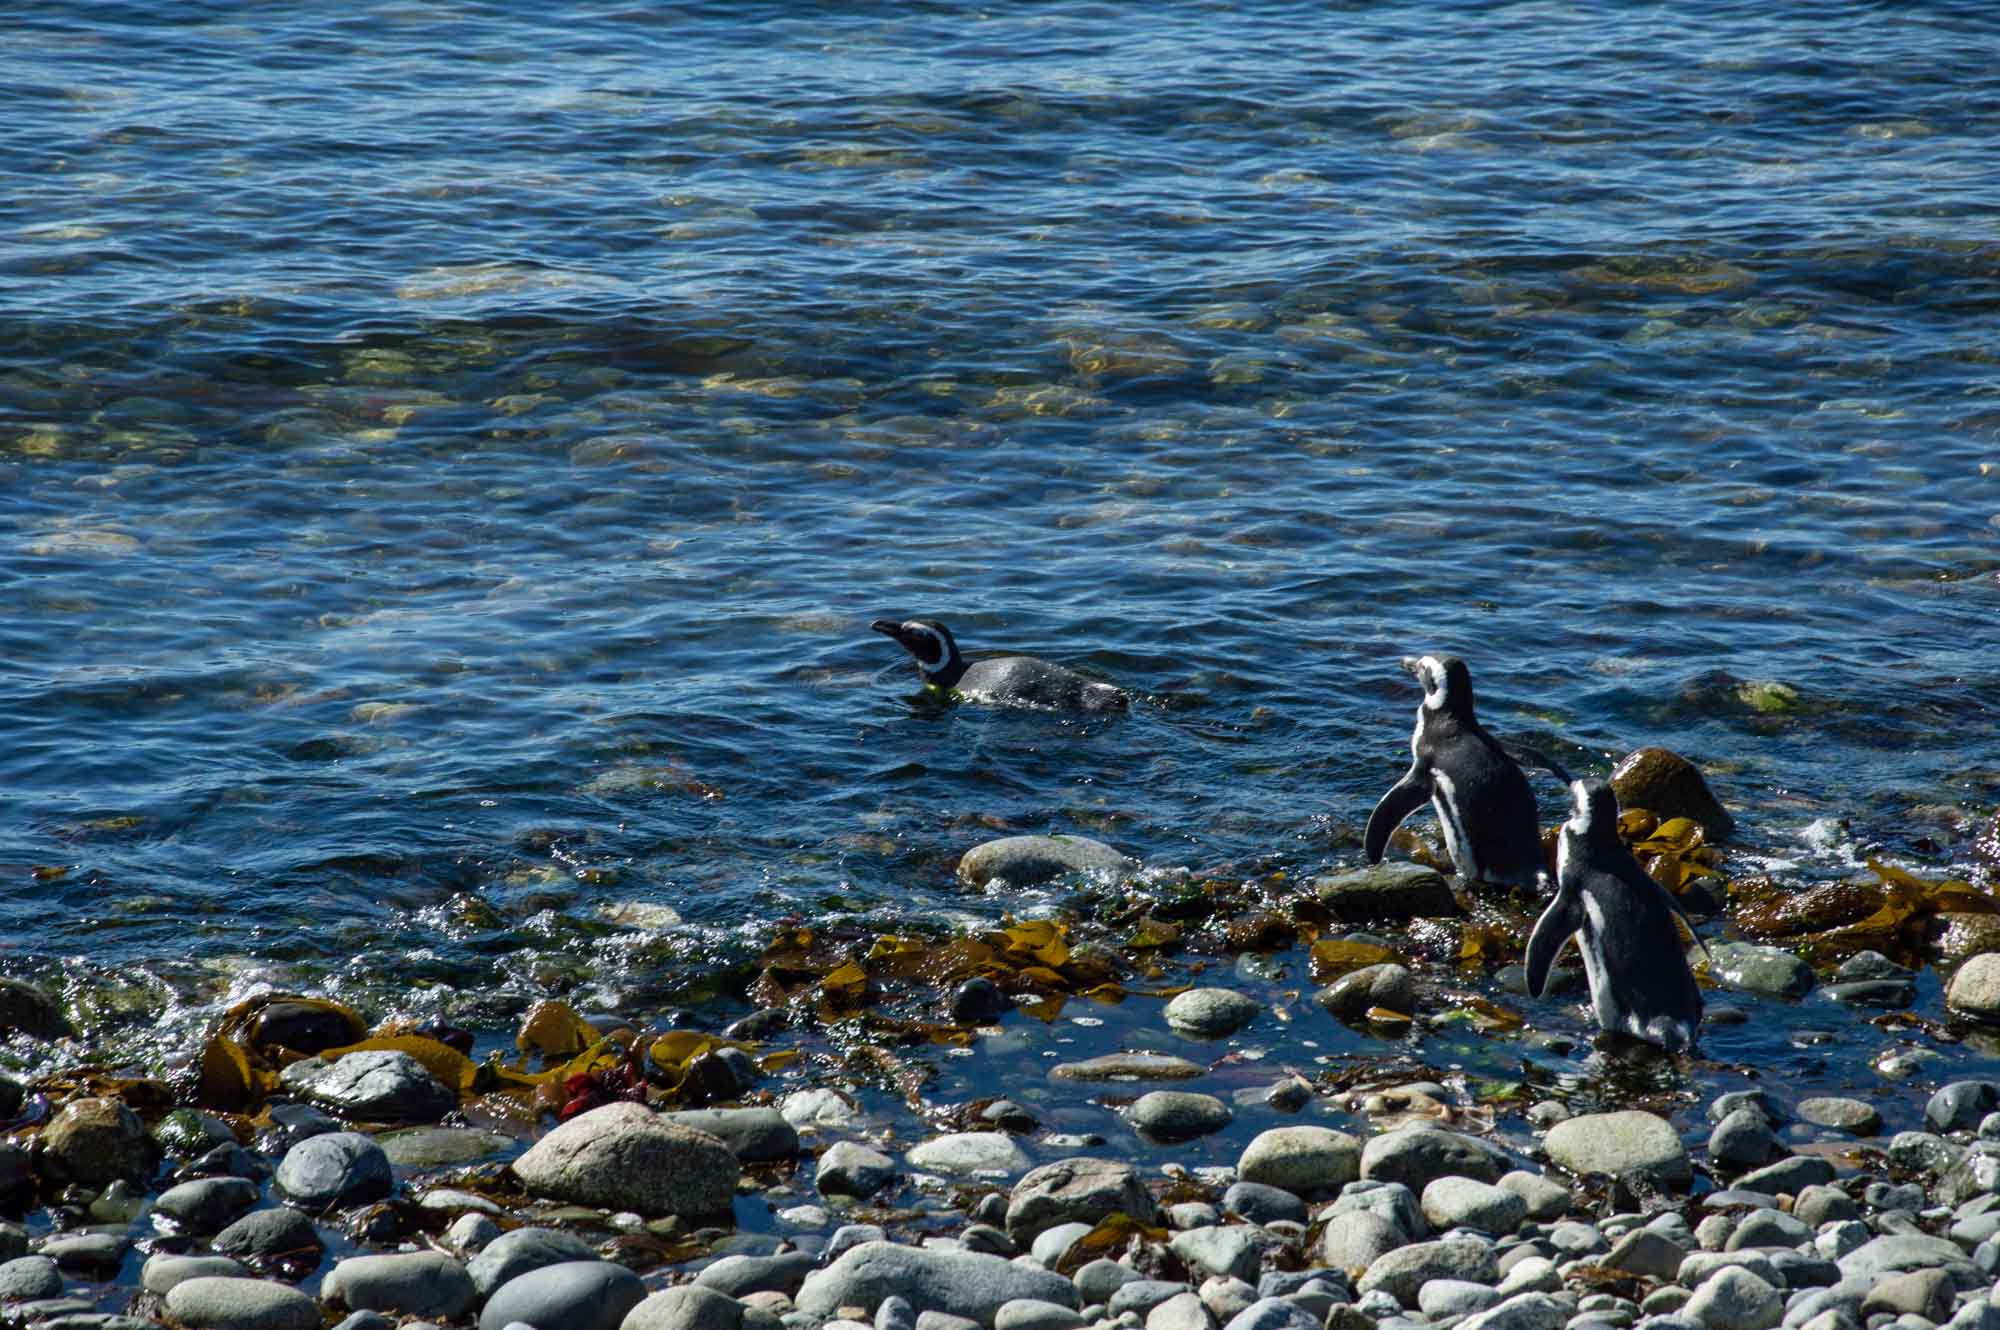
(1027, 681)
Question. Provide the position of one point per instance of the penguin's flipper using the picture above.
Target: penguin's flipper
(1558, 923)
(1535, 757)
(1405, 797)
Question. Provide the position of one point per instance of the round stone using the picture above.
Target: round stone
(1211, 1013)
(1849, 1115)
(1620, 1142)
(334, 1169)
(220, 1302)
(579, 1295)
(1302, 1160)
(1178, 1115)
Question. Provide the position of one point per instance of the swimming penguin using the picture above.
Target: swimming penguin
(1021, 681)
(1623, 921)
(1491, 826)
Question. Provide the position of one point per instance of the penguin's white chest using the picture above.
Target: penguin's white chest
(1451, 817)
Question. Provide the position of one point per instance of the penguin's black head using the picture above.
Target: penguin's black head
(1447, 683)
(1594, 814)
(929, 641)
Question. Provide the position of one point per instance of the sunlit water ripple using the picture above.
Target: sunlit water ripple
(450, 455)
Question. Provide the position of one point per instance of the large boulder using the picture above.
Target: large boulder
(626, 1157)
(1975, 989)
(960, 1283)
(1667, 784)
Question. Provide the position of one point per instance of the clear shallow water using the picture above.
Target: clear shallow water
(449, 456)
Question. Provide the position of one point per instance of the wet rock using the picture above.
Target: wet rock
(1022, 860)
(219, 1302)
(1260, 1203)
(1177, 1115)
(1211, 1013)
(849, 1168)
(1388, 986)
(1735, 1299)
(303, 1027)
(426, 1284)
(1354, 1241)
(1078, 1190)
(269, 1235)
(1975, 989)
(967, 1153)
(292, 1123)
(753, 1135)
(1302, 1160)
(440, 1147)
(338, 1168)
(1392, 889)
(1128, 1066)
(29, 1277)
(163, 1270)
(1418, 1155)
(1463, 1202)
(1667, 784)
(375, 1085)
(1743, 1139)
(206, 1204)
(25, 1009)
(1402, 1272)
(979, 1001)
(1960, 1105)
(97, 1253)
(738, 1276)
(93, 1142)
(1849, 1115)
(583, 1295)
(1764, 970)
(1870, 979)
(818, 1110)
(960, 1283)
(625, 1157)
(1620, 1142)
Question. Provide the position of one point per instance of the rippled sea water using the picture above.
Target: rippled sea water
(450, 455)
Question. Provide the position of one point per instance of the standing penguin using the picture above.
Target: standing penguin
(1623, 920)
(1491, 826)
(1021, 681)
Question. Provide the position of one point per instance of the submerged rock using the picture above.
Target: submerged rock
(1026, 859)
(1388, 986)
(1663, 782)
(1178, 1115)
(25, 1009)
(1128, 1066)
(1770, 971)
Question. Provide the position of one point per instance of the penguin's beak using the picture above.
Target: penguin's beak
(1413, 667)
(890, 628)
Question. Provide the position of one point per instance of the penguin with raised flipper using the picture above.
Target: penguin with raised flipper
(1624, 922)
(1020, 681)
(1491, 826)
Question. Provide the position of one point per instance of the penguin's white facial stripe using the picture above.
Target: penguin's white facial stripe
(942, 653)
(1432, 675)
(1580, 818)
